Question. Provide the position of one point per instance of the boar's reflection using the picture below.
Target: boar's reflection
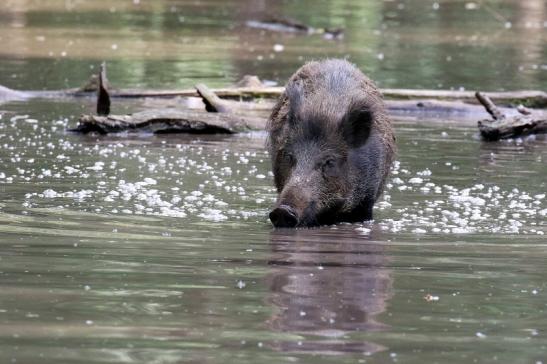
(326, 284)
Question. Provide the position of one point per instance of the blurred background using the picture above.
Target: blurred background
(444, 44)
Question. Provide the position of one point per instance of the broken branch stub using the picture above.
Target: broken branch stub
(212, 102)
(103, 97)
(489, 106)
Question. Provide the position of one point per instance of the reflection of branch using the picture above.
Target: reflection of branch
(496, 14)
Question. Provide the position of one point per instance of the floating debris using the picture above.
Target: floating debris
(430, 298)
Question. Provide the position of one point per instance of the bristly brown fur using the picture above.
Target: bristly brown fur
(330, 112)
(321, 101)
(316, 73)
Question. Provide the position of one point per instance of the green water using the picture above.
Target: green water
(157, 249)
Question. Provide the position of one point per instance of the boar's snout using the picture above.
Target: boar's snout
(284, 216)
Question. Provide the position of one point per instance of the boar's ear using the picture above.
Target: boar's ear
(294, 91)
(356, 125)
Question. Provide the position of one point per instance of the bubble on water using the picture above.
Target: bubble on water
(471, 6)
(213, 215)
(464, 198)
(98, 166)
(415, 180)
(205, 182)
(479, 208)
(49, 193)
(462, 230)
(278, 47)
(363, 230)
(71, 170)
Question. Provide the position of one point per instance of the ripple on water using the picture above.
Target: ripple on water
(160, 247)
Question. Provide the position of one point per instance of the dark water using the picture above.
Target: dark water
(157, 249)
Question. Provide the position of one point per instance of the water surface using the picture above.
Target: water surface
(157, 249)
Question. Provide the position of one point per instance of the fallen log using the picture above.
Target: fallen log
(225, 116)
(528, 98)
(421, 108)
(533, 99)
(222, 118)
(502, 126)
(169, 121)
(234, 116)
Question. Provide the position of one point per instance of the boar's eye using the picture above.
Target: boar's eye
(330, 167)
(289, 158)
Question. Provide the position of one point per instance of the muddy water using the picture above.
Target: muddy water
(157, 249)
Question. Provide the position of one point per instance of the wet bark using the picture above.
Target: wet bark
(212, 102)
(169, 121)
(103, 97)
(502, 126)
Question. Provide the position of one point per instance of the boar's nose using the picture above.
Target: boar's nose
(283, 216)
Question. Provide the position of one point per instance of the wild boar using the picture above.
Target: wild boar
(331, 145)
